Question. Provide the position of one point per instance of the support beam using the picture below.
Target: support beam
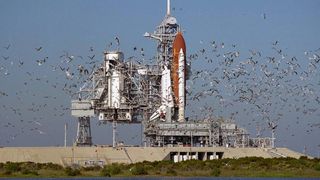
(114, 131)
(65, 134)
(114, 128)
(84, 132)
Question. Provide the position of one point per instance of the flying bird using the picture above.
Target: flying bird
(91, 57)
(117, 41)
(5, 57)
(7, 47)
(42, 61)
(264, 15)
(38, 49)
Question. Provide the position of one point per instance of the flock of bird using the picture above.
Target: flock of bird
(40, 89)
(262, 87)
(32, 91)
(256, 87)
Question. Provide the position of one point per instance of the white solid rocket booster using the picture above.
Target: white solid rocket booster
(181, 75)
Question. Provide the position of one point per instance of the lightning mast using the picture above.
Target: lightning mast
(168, 7)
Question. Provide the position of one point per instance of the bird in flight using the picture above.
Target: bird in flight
(117, 40)
(272, 125)
(38, 49)
(7, 47)
(91, 57)
(5, 58)
(42, 61)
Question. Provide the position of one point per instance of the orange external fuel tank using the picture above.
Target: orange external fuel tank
(178, 44)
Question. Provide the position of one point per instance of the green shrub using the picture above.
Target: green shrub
(25, 171)
(303, 157)
(138, 169)
(171, 172)
(215, 172)
(13, 167)
(51, 166)
(91, 168)
(29, 172)
(29, 166)
(115, 169)
(112, 169)
(317, 167)
(105, 172)
(7, 172)
(72, 172)
(160, 165)
(191, 165)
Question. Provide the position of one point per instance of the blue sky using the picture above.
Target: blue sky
(75, 26)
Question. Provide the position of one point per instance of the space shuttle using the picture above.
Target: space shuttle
(173, 78)
(173, 84)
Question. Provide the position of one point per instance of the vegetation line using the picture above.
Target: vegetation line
(243, 167)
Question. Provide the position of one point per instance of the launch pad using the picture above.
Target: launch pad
(124, 91)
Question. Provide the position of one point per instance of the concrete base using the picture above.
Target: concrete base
(88, 156)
